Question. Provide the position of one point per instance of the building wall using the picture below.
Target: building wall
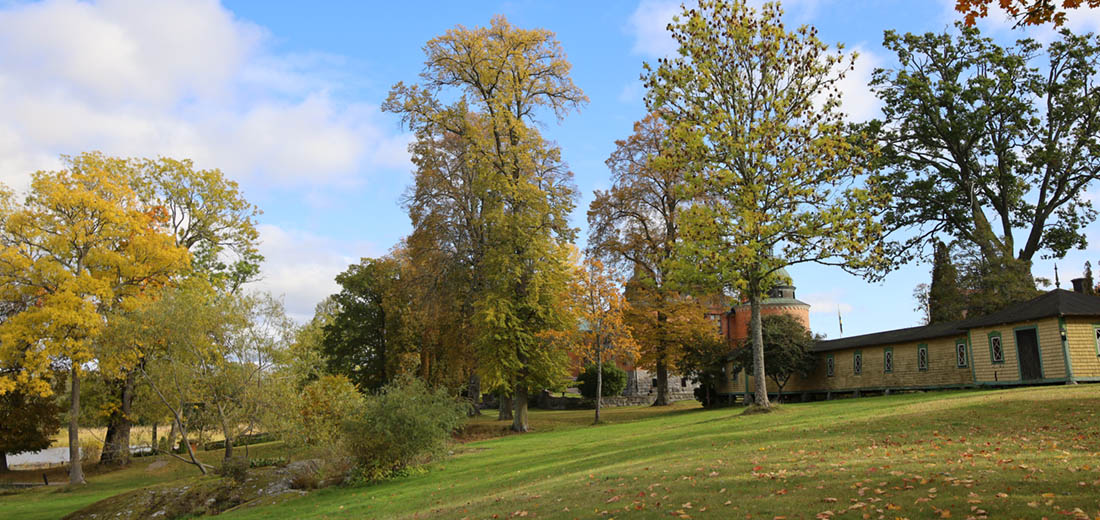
(943, 369)
(1050, 352)
(737, 324)
(1082, 347)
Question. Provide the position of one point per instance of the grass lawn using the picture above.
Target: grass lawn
(1023, 453)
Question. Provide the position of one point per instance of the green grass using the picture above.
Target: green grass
(56, 501)
(1023, 453)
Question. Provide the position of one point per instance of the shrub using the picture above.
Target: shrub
(90, 451)
(263, 462)
(322, 408)
(614, 381)
(404, 423)
(235, 468)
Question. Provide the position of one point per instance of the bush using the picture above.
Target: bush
(406, 422)
(235, 468)
(614, 381)
(263, 462)
(90, 451)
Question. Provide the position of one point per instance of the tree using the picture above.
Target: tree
(1025, 12)
(946, 301)
(80, 246)
(787, 344)
(984, 142)
(754, 113)
(206, 214)
(601, 307)
(635, 225)
(920, 293)
(28, 422)
(1090, 284)
(507, 75)
(366, 339)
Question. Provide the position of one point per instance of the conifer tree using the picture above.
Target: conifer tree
(946, 301)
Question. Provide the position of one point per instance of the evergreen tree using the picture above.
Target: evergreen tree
(946, 301)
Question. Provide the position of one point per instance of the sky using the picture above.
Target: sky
(284, 98)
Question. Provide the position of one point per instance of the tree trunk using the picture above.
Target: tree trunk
(228, 448)
(3, 462)
(505, 413)
(662, 382)
(757, 333)
(76, 470)
(155, 446)
(172, 437)
(116, 444)
(473, 389)
(519, 421)
(662, 363)
(599, 382)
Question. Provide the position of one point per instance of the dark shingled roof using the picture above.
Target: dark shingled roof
(1058, 302)
(938, 330)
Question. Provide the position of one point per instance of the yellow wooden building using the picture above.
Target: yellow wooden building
(1054, 338)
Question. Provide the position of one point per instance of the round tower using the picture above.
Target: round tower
(781, 300)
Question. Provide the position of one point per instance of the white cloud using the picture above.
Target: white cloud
(178, 78)
(648, 22)
(826, 302)
(859, 101)
(302, 266)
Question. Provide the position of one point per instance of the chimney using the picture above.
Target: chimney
(1079, 286)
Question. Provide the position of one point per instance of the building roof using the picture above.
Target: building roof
(1058, 302)
(775, 301)
(938, 330)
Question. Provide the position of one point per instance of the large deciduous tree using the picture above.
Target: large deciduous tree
(206, 214)
(754, 113)
(80, 246)
(601, 309)
(507, 75)
(993, 146)
(367, 336)
(635, 225)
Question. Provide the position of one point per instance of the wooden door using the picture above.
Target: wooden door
(1027, 348)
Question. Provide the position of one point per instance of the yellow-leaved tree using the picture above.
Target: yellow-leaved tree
(601, 307)
(79, 246)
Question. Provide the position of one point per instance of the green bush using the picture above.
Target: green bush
(614, 381)
(263, 462)
(405, 423)
(235, 468)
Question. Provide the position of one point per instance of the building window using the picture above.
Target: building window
(1096, 333)
(888, 360)
(829, 366)
(683, 382)
(922, 357)
(996, 349)
(857, 362)
(733, 375)
(960, 354)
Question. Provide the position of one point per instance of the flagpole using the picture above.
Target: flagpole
(839, 321)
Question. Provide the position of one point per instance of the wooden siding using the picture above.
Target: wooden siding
(1050, 352)
(943, 369)
(1082, 347)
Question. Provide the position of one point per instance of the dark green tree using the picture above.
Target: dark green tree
(27, 423)
(984, 143)
(366, 336)
(946, 301)
(614, 381)
(787, 344)
(1090, 284)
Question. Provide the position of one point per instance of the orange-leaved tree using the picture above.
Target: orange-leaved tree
(600, 306)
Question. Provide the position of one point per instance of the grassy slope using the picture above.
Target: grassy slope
(1015, 453)
(56, 501)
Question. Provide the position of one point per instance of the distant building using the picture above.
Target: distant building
(1053, 338)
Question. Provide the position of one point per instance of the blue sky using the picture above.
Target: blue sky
(284, 96)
